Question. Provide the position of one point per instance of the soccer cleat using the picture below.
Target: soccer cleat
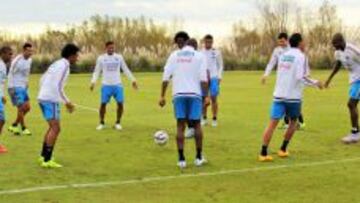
(266, 158)
(15, 130)
(50, 164)
(190, 133)
(181, 164)
(302, 126)
(3, 149)
(40, 159)
(204, 122)
(100, 127)
(351, 138)
(12, 128)
(214, 123)
(26, 132)
(283, 154)
(118, 127)
(200, 162)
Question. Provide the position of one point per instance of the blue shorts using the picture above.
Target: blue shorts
(2, 111)
(20, 96)
(280, 109)
(108, 91)
(214, 87)
(50, 110)
(189, 108)
(354, 92)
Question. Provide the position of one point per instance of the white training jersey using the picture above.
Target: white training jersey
(350, 59)
(187, 69)
(110, 66)
(2, 78)
(19, 72)
(215, 63)
(53, 82)
(275, 56)
(292, 75)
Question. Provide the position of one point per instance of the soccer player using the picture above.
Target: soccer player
(50, 96)
(292, 75)
(18, 83)
(215, 66)
(187, 70)
(6, 54)
(348, 55)
(283, 46)
(110, 65)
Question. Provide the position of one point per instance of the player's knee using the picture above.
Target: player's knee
(351, 105)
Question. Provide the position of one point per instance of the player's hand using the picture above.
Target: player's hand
(207, 101)
(92, 87)
(135, 85)
(263, 80)
(4, 100)
(320, 85)
(70, 107)
(162, 102)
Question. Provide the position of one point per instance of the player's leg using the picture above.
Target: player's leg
(354, 136)
(277, 113)
(301, 124)
(119, 97)
(194, 113)
(180, 109)
(214, 93)
(205, 112)
(105, 99)
(2, 122)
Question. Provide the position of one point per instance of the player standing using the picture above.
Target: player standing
(187, 70)
(283, 46)
(51, 94)
(348, 55)
(18, 83)
(110, 66)
(6, 54)
(292, 75)
(215, 66)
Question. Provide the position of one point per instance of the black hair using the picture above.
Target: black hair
(27, 45)
(5, 49)
(208, 36)
(283, 35)
(69, 50)
(108, 43)
(182, 35)
(295, 40)
(338, 37)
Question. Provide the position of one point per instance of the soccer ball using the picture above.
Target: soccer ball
(161, 137)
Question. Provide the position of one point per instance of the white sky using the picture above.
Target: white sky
(199, 16)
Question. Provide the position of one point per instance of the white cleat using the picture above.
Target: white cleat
(204, 122)
(100, 127)
(214, 123)
(351, 138)
(200, 162)
(118, 127)
(190, 133)
(181, 164)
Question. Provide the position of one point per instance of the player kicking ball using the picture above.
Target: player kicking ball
(292, 75)
(187, 70)
(51, 94)
(215, 67)
(6, 54)
(110, 66)
(348, 55)
(18, 83)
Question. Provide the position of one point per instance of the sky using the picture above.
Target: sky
(197, 16)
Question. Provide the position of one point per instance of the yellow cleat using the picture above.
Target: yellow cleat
(50, 164)
(267, 158)
(283, 154)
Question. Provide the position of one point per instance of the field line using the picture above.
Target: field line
(167, 178)
(86, 108)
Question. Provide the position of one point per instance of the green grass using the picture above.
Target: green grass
(90, 156)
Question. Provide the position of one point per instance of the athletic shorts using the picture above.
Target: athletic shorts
(280, 109)
(354, 92)
(109, 91)
(19, 96)
(50, 110)
(2, 111)
(189, 108)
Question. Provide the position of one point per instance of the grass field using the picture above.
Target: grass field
(321, 169)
